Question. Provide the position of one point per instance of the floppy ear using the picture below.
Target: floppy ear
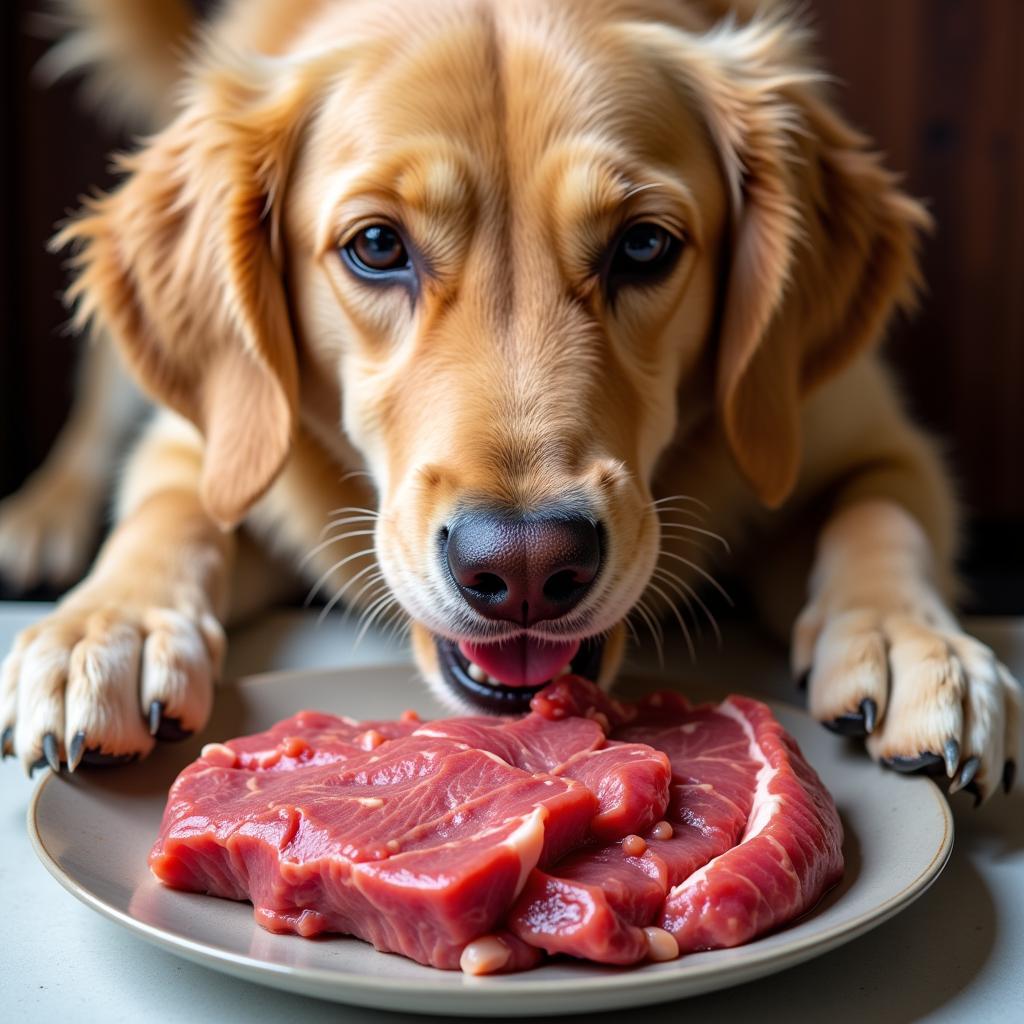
(179, 265)
(824, 243)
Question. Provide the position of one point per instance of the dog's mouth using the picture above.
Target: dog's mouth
(502, 677)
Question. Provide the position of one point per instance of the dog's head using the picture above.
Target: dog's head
(510, 253)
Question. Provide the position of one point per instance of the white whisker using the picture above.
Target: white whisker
(354, 473)
(374, 581)
(337, 565)
(680, 511)
(333, 523)
(700, 601)
(679, 618)
(676, 584)
(333, 540)
(353, 508)
(340, 593)
(680, 497)
(696, 568)
(655, 629)
(379, 606)
(700, 529)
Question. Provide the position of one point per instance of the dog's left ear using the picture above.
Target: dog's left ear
(824, 243)
(181, 264)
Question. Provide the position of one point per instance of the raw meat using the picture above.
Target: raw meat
(630, 780)
(418, 846)
(604, 830)
(789, 855)
(737, 778)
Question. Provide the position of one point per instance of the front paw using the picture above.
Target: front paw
(102, 678)
(926, 696)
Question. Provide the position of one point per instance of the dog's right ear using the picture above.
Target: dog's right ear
(181, 265)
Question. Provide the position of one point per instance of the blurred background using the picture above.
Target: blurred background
(938, 84)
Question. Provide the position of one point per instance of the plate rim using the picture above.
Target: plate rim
(350, 985)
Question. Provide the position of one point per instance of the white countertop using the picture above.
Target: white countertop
(955, 955)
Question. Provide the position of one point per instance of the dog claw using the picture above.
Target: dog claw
(50, 752)
(7, 742)
(972, 788)
(923, 762)
(847, 725)
(856, 723)
(952, 756)
(170, 730)
(870, 711)
(165, 728)
(75, 750)
(1009, 774)
(967, 773)
(802, 681)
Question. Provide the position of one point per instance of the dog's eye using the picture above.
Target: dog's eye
(376, 251)
(643, 252)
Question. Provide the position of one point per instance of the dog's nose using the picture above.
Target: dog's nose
(523, 570)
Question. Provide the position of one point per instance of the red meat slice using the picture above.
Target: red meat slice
(595, 904)
(630, 780)
(417, 847)
(790, 853)
(312, 737)
(532, 743)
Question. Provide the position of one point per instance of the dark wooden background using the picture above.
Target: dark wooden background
(938, 83)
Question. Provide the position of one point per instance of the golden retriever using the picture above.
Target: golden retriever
(502, 295)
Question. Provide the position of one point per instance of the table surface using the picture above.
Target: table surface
(955, 955)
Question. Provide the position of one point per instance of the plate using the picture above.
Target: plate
(93, 831)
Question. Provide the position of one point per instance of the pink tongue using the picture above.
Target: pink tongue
(522, 661)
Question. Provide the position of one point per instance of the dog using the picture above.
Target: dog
(491, 317)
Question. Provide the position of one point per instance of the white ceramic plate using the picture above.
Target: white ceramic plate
(93, 832)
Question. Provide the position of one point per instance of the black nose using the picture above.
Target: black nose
(523, 570)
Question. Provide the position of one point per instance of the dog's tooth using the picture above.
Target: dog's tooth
(476, 673)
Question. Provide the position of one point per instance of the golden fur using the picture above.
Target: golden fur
(511, 141)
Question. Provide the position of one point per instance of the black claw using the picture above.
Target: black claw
(156, 710)
(76, 750)
(931, 764)
(972, 788)
(851, 724)
(952, 756)
(869, 709)
(969, 770)
(856, 723)
(7, 742)
(51, 753)
(802, 680)
(171, 730)
(1009, 774)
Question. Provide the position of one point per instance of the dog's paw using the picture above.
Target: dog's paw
(926, 696)
(47, 529)
(101, 679)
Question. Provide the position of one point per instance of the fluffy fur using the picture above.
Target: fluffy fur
(511, 141)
